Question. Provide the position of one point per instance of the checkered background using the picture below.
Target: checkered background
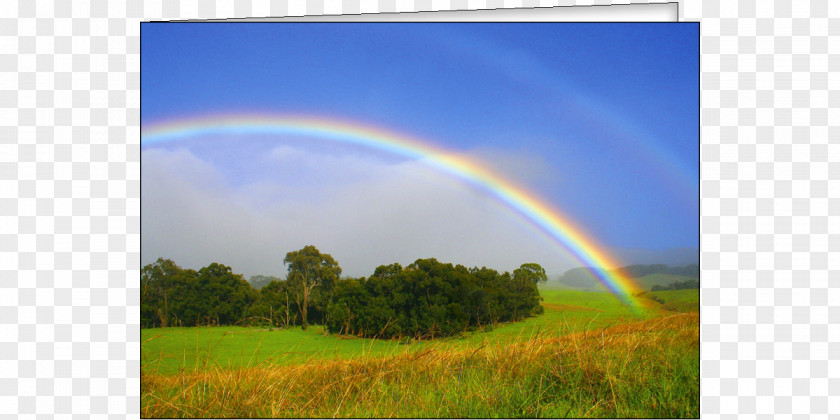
(70, 199)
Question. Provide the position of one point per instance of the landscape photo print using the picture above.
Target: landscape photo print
(420, 220)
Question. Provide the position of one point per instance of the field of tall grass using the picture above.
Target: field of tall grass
(587, 356)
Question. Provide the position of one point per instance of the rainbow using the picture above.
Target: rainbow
(560, 228)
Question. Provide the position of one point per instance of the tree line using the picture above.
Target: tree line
(678, 285)
(424, 299)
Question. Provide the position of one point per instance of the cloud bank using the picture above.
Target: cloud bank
(246, 210)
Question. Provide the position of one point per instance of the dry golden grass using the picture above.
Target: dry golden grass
(642, 369)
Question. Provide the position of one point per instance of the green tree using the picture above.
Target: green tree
(225, 296)
(188, 304)
(275, 303)
(429, 299)
(526, 278)
(531, 273)
(156, 282)
(309, 268)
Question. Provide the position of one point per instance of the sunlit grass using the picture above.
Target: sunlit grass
(589, 358)
(642, 369)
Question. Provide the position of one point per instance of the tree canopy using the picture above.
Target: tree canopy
(309, 268)
(424, 299)
(429, 298)
(172, 296)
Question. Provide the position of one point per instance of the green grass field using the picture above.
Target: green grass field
(687, 300)
(169, 350)
(586, 356)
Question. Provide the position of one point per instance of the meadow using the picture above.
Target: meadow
(586, 356)
(678, 300)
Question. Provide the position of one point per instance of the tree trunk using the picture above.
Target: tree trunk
(287, 309)
(297, 302)
(348, 319)
(304, 308)
(164, 316)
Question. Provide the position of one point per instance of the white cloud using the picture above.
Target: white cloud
(363, 210)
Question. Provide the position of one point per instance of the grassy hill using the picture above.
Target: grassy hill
(586, 356)
(687, 300)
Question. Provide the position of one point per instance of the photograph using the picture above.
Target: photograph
(419, 220)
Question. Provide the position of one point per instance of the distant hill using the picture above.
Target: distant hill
(555, 285)
(260, 281)
(670, 256)
(647, 276)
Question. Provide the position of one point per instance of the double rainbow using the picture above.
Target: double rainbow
(550, 221)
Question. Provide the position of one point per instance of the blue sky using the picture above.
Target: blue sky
(602, 120)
